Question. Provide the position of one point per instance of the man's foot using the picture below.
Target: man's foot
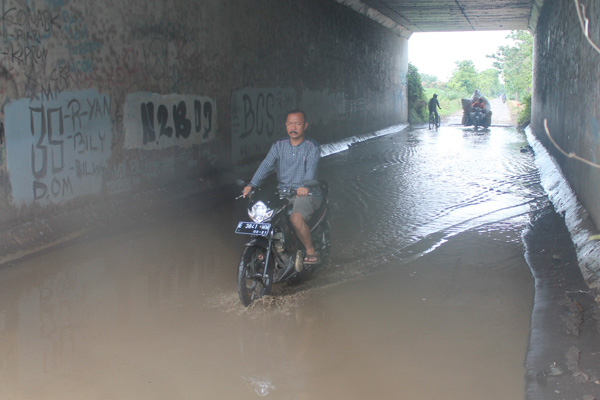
(299, 262)
(311, 259)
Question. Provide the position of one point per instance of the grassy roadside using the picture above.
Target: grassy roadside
(514, 107)
(448, 101)
(449, 106)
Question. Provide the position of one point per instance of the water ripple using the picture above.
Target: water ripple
(395, 190)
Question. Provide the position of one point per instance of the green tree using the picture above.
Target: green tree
(429, 80)
(464, 77)
(489, 82)
(417, 103)
(515, 63)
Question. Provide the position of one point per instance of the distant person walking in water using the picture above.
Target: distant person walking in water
(434, 104)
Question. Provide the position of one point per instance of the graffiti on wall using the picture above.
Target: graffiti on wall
(156, 121)
(57, 147)
(23, 31)
(79, 42)
(258, 117)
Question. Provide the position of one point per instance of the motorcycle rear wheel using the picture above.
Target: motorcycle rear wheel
(250, 283)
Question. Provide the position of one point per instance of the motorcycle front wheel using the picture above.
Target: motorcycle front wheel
(251, 285)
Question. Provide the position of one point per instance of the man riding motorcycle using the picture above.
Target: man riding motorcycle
(478, 103)
(295, 159)
(478, 106)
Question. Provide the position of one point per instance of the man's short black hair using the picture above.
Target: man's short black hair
(296, 111)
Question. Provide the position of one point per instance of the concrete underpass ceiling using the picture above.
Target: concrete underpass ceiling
(408, 16)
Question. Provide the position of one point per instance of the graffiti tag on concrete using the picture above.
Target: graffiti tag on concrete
(155, 121)
(258, 117)
(57, 147)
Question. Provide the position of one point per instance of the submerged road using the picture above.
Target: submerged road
(430, 293)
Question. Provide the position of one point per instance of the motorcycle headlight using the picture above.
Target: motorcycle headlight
(260, 212)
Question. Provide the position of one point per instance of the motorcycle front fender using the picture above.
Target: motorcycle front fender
(259, 242)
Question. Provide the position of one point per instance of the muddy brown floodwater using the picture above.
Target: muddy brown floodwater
(153, 314)
(428, 294)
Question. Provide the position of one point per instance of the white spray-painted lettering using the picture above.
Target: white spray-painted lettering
(61, 152)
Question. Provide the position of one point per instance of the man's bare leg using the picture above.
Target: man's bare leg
(303, 232)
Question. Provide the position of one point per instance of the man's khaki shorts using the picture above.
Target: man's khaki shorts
(306, 205)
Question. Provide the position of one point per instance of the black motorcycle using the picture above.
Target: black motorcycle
(274, 253)
(477, 117)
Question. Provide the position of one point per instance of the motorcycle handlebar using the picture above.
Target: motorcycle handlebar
(292, 192)
(309, 184)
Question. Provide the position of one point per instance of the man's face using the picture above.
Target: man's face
(296, 125)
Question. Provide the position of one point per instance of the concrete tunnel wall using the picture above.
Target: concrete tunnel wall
(106, 97)
(566, 93)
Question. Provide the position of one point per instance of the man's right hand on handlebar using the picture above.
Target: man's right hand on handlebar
(302, 191)
(246, 190)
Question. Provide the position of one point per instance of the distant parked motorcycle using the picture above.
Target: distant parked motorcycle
(274, 253)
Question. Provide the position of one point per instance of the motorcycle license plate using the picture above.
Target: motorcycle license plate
(252, 228)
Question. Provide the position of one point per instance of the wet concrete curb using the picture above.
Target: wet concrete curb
(563, 360)
(23, 238)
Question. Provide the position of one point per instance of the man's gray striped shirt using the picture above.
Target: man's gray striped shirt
(294, 164)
